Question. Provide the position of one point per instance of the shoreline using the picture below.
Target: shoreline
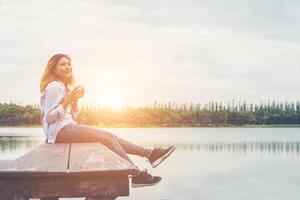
(181, 126)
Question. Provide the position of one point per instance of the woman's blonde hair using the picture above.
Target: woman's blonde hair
(49, 74)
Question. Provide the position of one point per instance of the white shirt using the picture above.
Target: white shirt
(53, 115)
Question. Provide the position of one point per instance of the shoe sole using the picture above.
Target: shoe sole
(133, 185)
(158, 161)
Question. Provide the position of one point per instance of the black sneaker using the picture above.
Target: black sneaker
(144, 179)
(158, 155)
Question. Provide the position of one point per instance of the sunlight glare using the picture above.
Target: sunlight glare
(112, 98)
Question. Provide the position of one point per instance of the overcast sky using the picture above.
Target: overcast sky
(166, 50)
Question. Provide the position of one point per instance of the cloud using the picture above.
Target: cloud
(154, 50)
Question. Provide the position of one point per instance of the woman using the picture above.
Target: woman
(58, 118)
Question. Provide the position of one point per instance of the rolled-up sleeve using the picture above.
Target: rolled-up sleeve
(53, 109)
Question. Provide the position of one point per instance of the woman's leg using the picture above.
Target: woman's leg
(134, 149)
(76, 133)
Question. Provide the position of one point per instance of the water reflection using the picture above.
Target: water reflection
(208, 163)
(270, 148)
(12, 143)
(12, 147)
(9, 144)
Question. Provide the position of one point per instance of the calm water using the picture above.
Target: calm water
(208, 163)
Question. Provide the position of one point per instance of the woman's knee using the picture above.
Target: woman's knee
(106, 136)
(112, 138)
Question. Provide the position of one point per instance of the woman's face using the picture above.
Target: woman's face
(63, 69)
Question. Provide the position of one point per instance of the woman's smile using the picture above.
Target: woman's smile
(64, 69)
(68, 72)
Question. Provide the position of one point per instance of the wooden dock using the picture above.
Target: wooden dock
(51, 171)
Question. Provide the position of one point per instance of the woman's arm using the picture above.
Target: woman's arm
(74, 106)
(54, 105)
(77, 93)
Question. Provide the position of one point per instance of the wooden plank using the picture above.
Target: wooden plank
(97, 159)
(65, 186)
(5, 163)
(45, 160)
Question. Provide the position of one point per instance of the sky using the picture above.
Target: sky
(137, 51)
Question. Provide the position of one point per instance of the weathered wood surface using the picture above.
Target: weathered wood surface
(54, 187)
(46, 160)
(95, 159)
(68, 159)
(66, 170)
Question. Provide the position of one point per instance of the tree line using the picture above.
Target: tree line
(167, 114)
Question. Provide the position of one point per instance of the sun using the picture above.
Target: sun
(112, 98)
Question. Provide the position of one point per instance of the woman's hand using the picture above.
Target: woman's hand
(76, 93)
(73, 96)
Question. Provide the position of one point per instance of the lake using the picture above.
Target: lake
(208, 163)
